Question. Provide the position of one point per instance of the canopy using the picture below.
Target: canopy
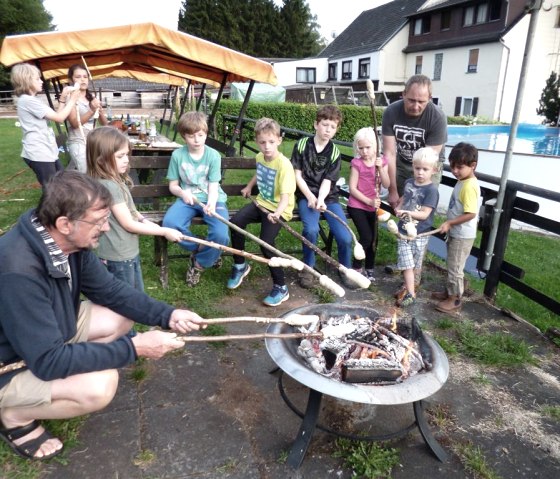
(144, 51)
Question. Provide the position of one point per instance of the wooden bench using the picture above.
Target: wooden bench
(154, 198)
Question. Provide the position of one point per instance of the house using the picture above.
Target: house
(369, 48)
(471, 49)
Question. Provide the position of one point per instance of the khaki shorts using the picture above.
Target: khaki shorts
(27, 390)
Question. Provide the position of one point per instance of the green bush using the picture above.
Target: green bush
(297, 116)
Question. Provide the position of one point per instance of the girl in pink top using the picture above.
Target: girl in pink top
(364, 203)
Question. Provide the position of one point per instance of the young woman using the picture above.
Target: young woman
(90, 110)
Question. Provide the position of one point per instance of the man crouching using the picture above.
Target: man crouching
(71, 349)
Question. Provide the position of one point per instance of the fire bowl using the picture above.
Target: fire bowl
(415, 388)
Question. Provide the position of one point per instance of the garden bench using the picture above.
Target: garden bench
(154, 198)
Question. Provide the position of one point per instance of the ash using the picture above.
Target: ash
(372, 351)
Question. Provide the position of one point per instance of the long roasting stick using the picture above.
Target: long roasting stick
(270, 262)
(359, 252)
(324, 280)
(393, 228)
(292, 319)
(352, 275)
(234, 337)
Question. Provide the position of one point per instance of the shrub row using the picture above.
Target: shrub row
(299, 116)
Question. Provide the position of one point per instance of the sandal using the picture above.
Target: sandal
(27, 449)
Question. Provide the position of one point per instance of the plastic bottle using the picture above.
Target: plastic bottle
(153, 131)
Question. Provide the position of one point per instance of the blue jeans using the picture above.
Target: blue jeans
(310, 219)
(179, 216)
(44, 169)
(128, 271)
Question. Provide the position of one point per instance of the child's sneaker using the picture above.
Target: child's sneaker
(238, 272)
(370, 275)
(408, 300)
(277, 296)
(192, 277)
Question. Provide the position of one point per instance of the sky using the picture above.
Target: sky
(332, 15)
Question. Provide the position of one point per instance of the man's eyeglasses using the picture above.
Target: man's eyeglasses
(99, 224)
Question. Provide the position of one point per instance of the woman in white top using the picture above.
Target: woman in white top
(88, 105)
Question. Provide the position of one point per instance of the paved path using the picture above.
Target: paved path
(212, 412)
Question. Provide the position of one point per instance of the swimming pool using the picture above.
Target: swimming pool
(533, 139)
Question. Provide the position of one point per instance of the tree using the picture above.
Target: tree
(255, 27)
(303, 38)
(549, 104)
(18, 17)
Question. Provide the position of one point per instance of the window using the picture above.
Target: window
(332, 71)
(363, 68)
(466, 106)
(422, 25)
(305, 75)
(346, 70)
(418, 67)
(438, 64)
(468, 16)
(473, 61)
(446, 20)
(482, 13)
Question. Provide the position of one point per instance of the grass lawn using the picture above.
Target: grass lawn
(534, 253)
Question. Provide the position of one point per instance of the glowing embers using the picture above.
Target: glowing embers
(378, 351)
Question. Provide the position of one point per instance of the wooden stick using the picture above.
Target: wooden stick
(324, 280)
(230, 337)
(371, 95)
(228, 249)
(352, 275)
(292, 319)
(300, 237)
(12, 367)
(342, 222)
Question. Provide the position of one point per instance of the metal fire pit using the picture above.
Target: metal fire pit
(411, 390)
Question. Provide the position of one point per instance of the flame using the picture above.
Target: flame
(405, 362)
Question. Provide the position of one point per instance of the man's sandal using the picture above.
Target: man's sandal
(29, 448)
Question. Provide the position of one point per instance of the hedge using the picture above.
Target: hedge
(299, 116)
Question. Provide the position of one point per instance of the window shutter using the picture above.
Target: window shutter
(474, 106)
(457, 106)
